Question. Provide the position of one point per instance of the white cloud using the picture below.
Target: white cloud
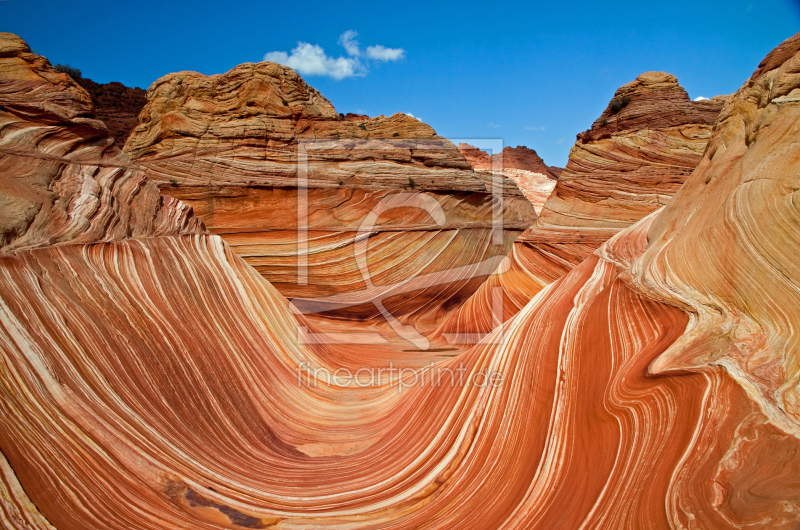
(534, 128)
(492, 125)
(700, 98)
(560, 140)
(349, 42)
(311, 59)
(412, 116)
(382, 53)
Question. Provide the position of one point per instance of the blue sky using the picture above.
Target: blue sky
(533, 73)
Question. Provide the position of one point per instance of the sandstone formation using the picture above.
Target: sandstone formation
(160, 382)
(64, 180)
(634, 158)
(303, 194)
(117, 106)
(519, 157)
(522, 165)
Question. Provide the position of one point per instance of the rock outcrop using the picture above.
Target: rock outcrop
(632, 160)
(296, 190)
(64, 180)
(519, 157)
(630, 163)
(522, 165)
(723, 250)
(117, 106)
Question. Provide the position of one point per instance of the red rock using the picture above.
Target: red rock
(157, 381)
(117, 105)
(519, 157)
(228, 145)
(522, 165)
(354, 117)
(628, 165)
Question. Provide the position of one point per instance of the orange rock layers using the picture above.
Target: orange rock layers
(630, 163)
(158, 381)
(301, 193)
(64, 180)
(522, 165)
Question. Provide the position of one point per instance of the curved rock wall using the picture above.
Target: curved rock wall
(743, 227)
(630, 163)
(63, 179)
(295, 189)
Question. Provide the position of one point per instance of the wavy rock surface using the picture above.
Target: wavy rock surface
(63, 179)
(744, 227)
(296, 190)
(153, 382)
(630, 163)
(535, 179)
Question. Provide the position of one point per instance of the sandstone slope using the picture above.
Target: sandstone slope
(303, 194)
(632, 160)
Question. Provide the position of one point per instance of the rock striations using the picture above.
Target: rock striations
(341, 214)
(522, 165)
(634, 158)
(63, 179)
(155, 380)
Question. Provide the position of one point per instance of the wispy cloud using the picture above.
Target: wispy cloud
(560, 140)
(534, 128)
(382, 53)
(349, 43)
(311, 59)
(700, 98)
(492, 125)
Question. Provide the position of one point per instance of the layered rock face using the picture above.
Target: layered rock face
(630, 163)
(337, 213)
(633, 159)
(724, 251)
(117, 106)
(519, 157)
(160, 382)
(743, 226)
(63, 179)
(522, 165)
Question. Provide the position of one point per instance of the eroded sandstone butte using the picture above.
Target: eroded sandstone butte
(117, 106)
(151, 381)
(302, 193)
(521, 164)
(630, 163)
